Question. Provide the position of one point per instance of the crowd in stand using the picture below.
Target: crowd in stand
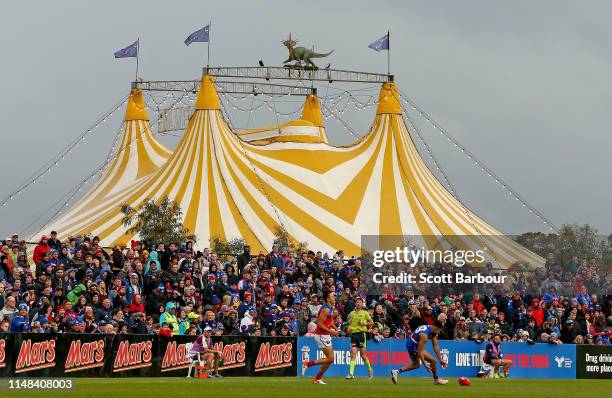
(79, 287)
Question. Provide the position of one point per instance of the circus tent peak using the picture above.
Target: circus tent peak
(138, 153)
(136, 156)
(308, 128)
(136, 109)
(207, 98)
(312, 111)
(389, 100)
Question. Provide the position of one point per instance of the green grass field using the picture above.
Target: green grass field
(267, 387)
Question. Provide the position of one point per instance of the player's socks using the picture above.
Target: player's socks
(401, 370)
(367, 363)
(319, 376)
(310, 363)
(352, 367)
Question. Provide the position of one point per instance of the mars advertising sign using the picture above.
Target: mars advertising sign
(233, 354)
(35, 355)
(274, 356)
(2, 353)
(84, 355)
(133, 355)
(175, 357)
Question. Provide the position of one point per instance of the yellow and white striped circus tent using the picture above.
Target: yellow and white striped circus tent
(250, 183)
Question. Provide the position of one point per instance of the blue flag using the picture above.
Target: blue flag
(198, 36)
(128, 52)
(381, 44)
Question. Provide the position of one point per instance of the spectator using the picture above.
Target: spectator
(570, 331)
(169, 318)
(554, 339)
(461, 331)
(137, 305)
(5, 326)
(75, 293)
(9, 310)
(53, 242)
(274, 259)
(532, 329)
(21, 321)
(6, 270)
(578, 340)
(245, 258)
(474, 324)
(248, 322)
(40, 249)
(165, 330)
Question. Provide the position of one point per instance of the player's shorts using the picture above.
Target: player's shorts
(412, 348)
(192, 354)
(358, 340)
(489, 360)
(323, 340)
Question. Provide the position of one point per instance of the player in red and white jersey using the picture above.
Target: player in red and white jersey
(323, 336)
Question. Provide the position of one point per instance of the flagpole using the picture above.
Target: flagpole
(389, 53)
(137, 56)
(208, 46)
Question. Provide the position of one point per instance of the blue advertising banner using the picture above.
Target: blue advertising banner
(541, 360)
(463, 357)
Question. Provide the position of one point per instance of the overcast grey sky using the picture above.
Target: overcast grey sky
(524, 84)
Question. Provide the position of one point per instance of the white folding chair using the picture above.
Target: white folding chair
(485, 369)
(192, 356)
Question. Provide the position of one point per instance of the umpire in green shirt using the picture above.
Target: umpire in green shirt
(359, 320)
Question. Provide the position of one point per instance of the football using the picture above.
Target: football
(464, 381)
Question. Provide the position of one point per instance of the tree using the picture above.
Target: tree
(572, 240)
(154, 222)
(537, 242)
(285, 241)
(227, 250)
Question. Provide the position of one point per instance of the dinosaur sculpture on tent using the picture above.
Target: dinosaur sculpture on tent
(301, 54)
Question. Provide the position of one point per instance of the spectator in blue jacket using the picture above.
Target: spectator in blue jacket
(21, 321)
(274, 258)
